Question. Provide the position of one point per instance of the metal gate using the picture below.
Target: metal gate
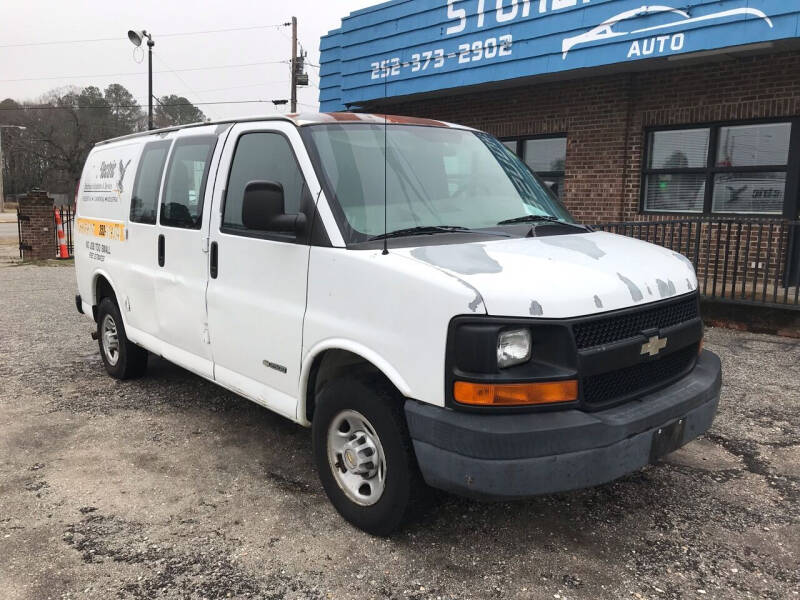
(67, 214)
(745, 261)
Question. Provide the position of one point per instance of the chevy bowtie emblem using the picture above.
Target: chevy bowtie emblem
(654, 346)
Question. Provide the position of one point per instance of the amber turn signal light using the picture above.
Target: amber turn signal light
(515, 394)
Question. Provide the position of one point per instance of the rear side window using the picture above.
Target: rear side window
(144, 201)
(182, 202)
(262, 157)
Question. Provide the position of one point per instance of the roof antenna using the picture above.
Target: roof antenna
(385, 183)
(386, 72)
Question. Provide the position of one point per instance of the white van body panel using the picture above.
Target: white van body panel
(563, 276)
(181, 283)
(257, 302)
(138, 303)
(101, 220)
(381, 304)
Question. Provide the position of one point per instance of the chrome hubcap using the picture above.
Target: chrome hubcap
(110, 339)
(356, 458)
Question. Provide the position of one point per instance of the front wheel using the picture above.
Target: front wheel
(364, 455)
(122, 358)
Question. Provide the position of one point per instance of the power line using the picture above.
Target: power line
(115, 39)
(138, 73)
(178, 77)
(249, 85)
(116, 106)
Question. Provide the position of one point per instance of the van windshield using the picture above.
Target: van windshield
(426, 177)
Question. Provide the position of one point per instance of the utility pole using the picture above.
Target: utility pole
(294, 64)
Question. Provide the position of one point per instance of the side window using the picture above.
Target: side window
(261, 157)
(547, 158)
(144, 201)
(182, 202)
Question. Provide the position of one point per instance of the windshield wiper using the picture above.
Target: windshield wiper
(422, 230)
(542, 219)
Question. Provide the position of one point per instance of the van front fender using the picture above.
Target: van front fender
(360, 350)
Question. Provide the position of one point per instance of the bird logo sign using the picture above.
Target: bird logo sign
(122, 170)
(659, 39)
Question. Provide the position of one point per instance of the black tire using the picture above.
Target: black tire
(374, 398)
(131, 360)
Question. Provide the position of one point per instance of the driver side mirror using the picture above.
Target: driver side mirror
(263, 210)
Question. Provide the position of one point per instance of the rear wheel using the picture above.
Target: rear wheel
(364, 455)
(122, 358)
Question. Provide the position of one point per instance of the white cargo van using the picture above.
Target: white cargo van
(409, 290)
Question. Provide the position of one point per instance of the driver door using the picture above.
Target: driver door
(257, 285)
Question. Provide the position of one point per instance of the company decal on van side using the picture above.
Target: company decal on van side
(108, 183)
(102, 229)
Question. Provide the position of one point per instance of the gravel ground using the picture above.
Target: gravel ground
(9, 241)
(170, 487)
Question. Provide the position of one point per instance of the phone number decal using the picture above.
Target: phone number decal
(102, 229)
(477, 51)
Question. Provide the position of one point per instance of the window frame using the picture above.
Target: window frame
(520, 151)
(189, 140)
(150, 146)
(711, 170)
(273, 236)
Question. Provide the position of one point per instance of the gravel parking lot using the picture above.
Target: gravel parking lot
(169, 487)
(9, 240)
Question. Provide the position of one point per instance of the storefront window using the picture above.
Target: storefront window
(725, 169)
(546, 157)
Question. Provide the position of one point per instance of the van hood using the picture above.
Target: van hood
(562, 276)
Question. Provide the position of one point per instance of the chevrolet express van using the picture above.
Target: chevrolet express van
(406, 288)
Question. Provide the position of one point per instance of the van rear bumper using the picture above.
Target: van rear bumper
(515, 456)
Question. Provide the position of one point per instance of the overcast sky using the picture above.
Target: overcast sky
(37, 69)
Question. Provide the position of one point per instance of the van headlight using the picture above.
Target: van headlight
(514, 347)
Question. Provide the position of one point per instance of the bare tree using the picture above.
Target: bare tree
(61, 129)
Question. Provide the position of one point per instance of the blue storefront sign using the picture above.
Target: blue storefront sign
(407, 47)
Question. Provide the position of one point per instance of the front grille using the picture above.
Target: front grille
(621, 327)
(625, 383)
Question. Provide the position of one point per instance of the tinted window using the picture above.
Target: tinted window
(511, 145)
(547, 155)
(749, 193)
(680, 149)
(754, 145)
(675, 192)
(144, 202)
(748, 172)
(182, 203)
(262, 157)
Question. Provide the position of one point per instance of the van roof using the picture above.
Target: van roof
(302, 120)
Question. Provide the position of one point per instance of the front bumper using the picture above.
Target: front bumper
(520, 455)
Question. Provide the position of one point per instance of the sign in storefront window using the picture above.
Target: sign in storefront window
(546, 156)
(740, 169)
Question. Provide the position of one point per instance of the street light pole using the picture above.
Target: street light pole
(150, 44)
(136, 38)
(2, 189)
(294, 64)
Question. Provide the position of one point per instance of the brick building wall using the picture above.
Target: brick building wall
(605, 119)
(37, 226)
